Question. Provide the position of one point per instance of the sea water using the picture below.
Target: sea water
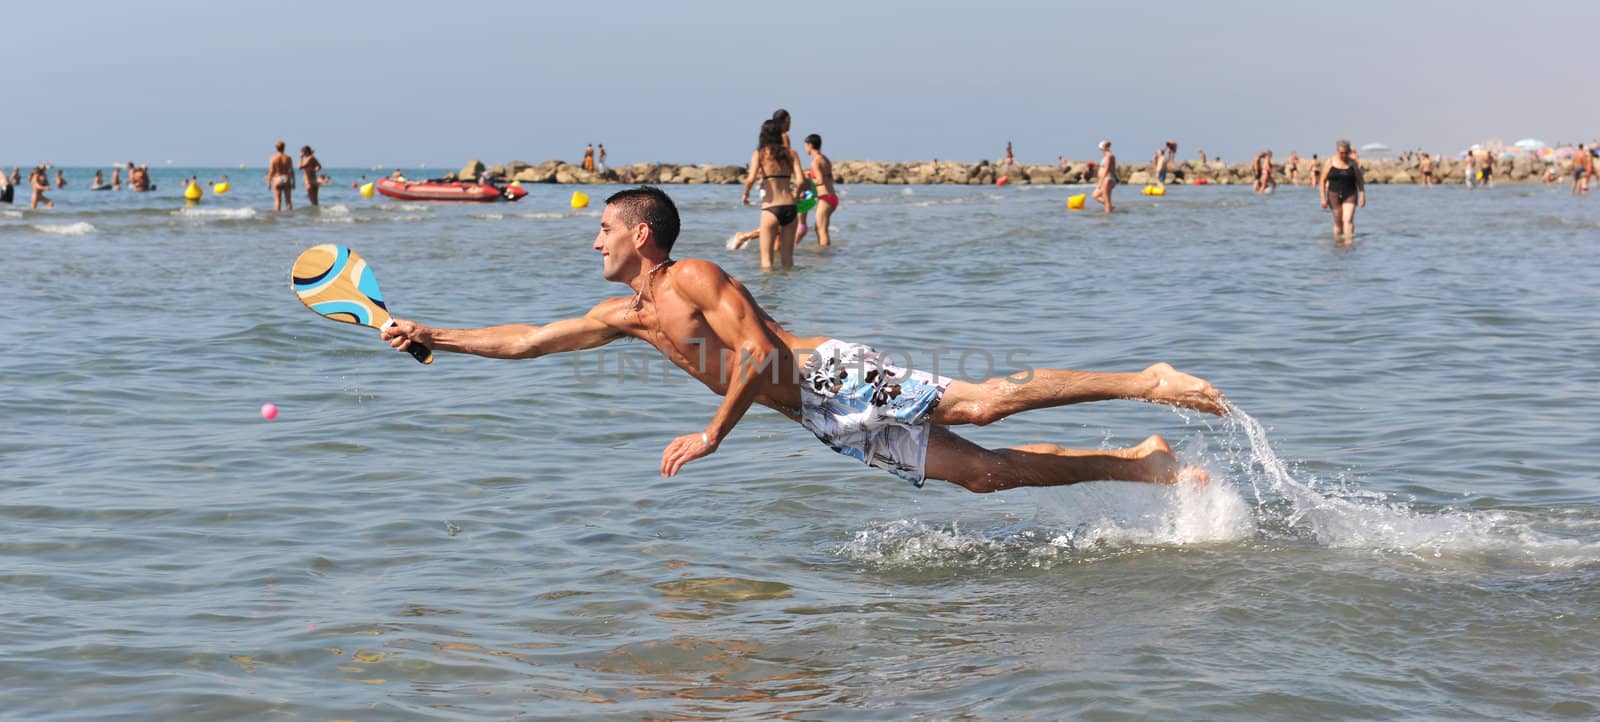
(1402, 521)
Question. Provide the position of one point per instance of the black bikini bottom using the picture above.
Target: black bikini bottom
(784, 214)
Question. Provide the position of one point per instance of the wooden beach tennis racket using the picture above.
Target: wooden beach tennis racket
(337, 283)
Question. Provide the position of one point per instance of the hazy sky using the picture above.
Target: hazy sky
(403, 83)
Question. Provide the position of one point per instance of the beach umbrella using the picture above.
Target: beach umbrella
(1529, 144)
(1374, 148)
(1566, 151)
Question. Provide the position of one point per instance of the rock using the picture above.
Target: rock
(569, 173)
(1400, 175)
(471, 170)
(691, 174)
(535, 174)
(868, 173)
(1044, 174)
(953, 173)
(726, 174)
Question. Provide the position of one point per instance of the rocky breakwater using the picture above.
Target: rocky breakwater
(555, 171)
(1520, 169)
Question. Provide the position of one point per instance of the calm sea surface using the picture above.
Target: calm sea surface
(1403, 524)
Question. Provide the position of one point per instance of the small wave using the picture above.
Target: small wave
(402, 207)
(336, 209)
(337, 219)
(542, 216)
(488, 216)
(65, 229)
(10, 214)
(226, 213)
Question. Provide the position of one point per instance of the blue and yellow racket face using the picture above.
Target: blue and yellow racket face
(337, 283)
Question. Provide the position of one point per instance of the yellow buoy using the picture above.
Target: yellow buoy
(193, 192)
(1153, 190)
(1075, 203)
(220, 188)
(367, 190)
(580, 200)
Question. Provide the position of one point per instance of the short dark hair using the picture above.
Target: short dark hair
(651, 206)
(814, 141)
(278, 145)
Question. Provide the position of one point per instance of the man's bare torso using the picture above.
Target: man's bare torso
(672, 324)
(280, 165)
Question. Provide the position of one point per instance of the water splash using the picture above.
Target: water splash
(1254, 495)
(1341, 515)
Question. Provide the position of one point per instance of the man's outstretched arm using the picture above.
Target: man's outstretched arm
(508, 341)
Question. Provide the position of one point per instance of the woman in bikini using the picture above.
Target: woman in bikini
(1343, 189)
(40, 181)
(781, 117)
(310, 167)
(778, 169)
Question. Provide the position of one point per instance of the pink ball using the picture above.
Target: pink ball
(269, 412)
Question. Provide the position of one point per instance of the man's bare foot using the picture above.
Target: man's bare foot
(1173, 387)
(738, 240)
(1161, 466)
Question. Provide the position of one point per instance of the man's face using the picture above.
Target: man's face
(615, 242)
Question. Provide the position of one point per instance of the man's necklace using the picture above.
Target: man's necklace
(638, 296)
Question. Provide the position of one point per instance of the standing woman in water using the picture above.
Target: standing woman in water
(1343, 189)
(778, 169)
(39, 179)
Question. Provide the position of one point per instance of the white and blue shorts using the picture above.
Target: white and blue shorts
(870, 410)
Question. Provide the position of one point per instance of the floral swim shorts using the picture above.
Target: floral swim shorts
(870, 410)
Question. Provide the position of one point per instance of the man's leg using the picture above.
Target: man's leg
(961, 462)
(997, 398)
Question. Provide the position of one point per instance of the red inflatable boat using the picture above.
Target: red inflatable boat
(443, 191)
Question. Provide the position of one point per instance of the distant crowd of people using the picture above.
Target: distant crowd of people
(785, 186)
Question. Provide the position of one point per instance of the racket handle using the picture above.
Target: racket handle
(421, 353)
